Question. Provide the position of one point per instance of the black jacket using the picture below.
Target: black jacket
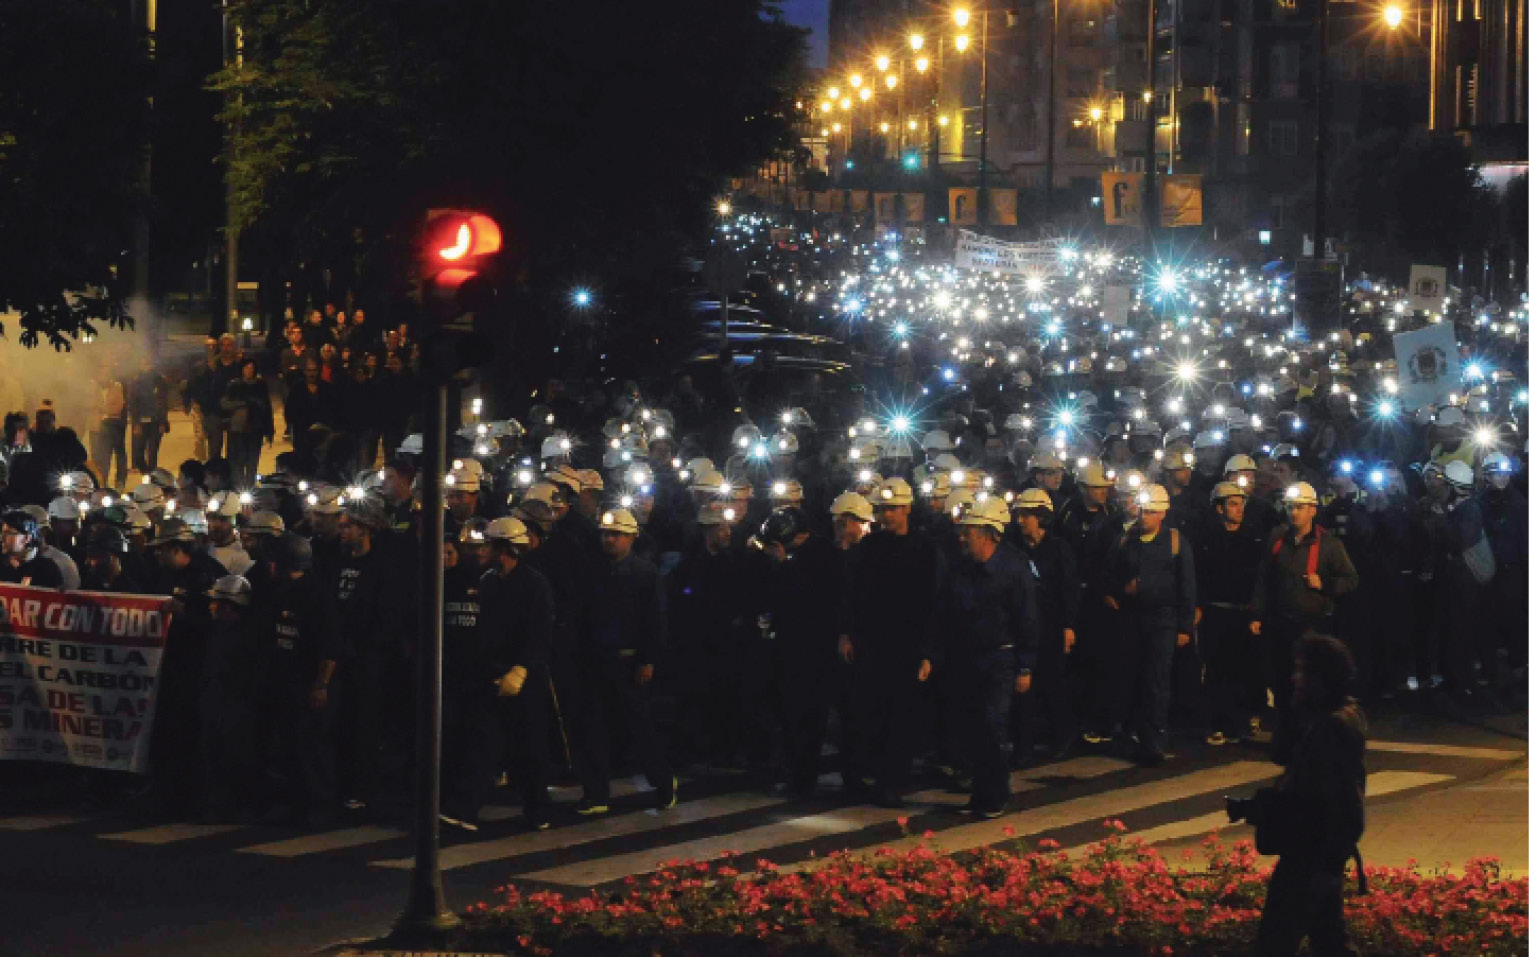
(984, 606)
(1324, 780)
(892, 589)
(805, 593)
(1165, 582)
(627, 610)
(515, 622)
(303, 628)
(1226, 564)
(1058, 588)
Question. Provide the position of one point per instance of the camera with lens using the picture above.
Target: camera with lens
(1242, 810)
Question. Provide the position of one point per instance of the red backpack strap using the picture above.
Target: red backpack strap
(1315, 554)
(1278, 544)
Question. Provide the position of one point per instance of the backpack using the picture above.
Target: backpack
(1313, 556)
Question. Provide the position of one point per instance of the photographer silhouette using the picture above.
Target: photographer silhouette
(1314, 814)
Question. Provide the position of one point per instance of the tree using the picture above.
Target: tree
(72, 121)
(1402, 198)
(598, 132)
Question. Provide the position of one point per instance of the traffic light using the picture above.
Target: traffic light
(457, 256)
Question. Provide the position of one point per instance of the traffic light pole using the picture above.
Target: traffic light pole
(427, 913)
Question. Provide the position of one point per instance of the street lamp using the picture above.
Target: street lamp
(916, 42)
(962, 16)
(865, 93)
(1393, 14)
(855, 80)
(882, 63)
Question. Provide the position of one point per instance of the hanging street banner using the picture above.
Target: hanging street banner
(79, 676)
(975, 251)
(963, 206)
(1427, 365)
(1003, 207)
(913, 207)
(1122, 198)
(1183, 200)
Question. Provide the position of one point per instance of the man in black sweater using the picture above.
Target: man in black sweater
(626, 637)
(1228, 552)
(496, 671)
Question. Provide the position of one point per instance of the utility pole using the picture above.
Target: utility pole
(233, 55)
(1149, 204)
(145, 15)
(1319, 141)
(982, 147)
(1056, 23)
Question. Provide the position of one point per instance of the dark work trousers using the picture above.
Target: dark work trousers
(1392, 646)
(1049, 699)
(1150, 636)
(1465, 634)
(111, 444)
(886, 699)
(215, 428)
(1354, 624)
(759, 713)
(1304, 901)
(244, 457)
(981, 693)
(811, 689)
(1104, 682)
(707, 715)
(612, 697)
(1187, 686)
(1423, 627)
(146, 438)
(360, 717)
(300, 754)
(175, 746)
(1234, 687)
(1505, 616)
(1281, 636)
(563, 702)
(228, 750)
(482, 731)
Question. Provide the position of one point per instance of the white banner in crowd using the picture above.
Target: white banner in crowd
(79, 675)
(1427, 288)
(975, 251)
(1427, 365)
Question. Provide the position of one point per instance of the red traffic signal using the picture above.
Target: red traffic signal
(456, 246)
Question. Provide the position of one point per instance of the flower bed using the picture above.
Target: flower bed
(1120, 898)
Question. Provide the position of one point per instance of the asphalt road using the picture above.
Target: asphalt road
(116, 882)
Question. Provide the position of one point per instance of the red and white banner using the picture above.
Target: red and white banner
(79, 675)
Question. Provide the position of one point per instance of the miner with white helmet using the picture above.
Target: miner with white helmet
(1466, 566)
(891, 597)
(1091, 521)
(987, 642)
(803, 588)
(1058, 606)
(852, 518)
(1228, 552)
(64, 522)
(707, 591)
(232, 663)
(369, 593)
(1258, 514)
(1047, 470)
(1151, 581)
(304, 643)
(1505, 520)
(223, 542)
(496, 685)
(627, 635)
(462, 487)
(1303, 574)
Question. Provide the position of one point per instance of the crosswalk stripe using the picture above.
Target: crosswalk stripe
(604, 869)
(964, 837)
(1443, 750)
(620, 788)
(171, 833)
(39, 822)
(1032, 779)
(1378, 784)
(326, 841)
(688, 812)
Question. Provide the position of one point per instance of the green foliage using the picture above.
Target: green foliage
(72, 113)
(597, 132)
(1403, 198)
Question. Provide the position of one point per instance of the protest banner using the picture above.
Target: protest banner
(79, 675)
(1427, 365)
(975, 251)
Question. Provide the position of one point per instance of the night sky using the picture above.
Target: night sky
(812, 14)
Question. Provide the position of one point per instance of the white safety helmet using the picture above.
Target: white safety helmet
(1046, 460)
(557, 445)
(511, 531)
(1300, 493)
(991, 512)
(784, 443)
(853, 504)
(1227, 490)
(786, 491)
(894, 491)
(1153, 498)
(64, 508)
(620, 521)
(1239, 463)
(195, 519)
(1094, 474)
(1034, 499)
(938, 441)
(226, 506)
(1460, 474)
